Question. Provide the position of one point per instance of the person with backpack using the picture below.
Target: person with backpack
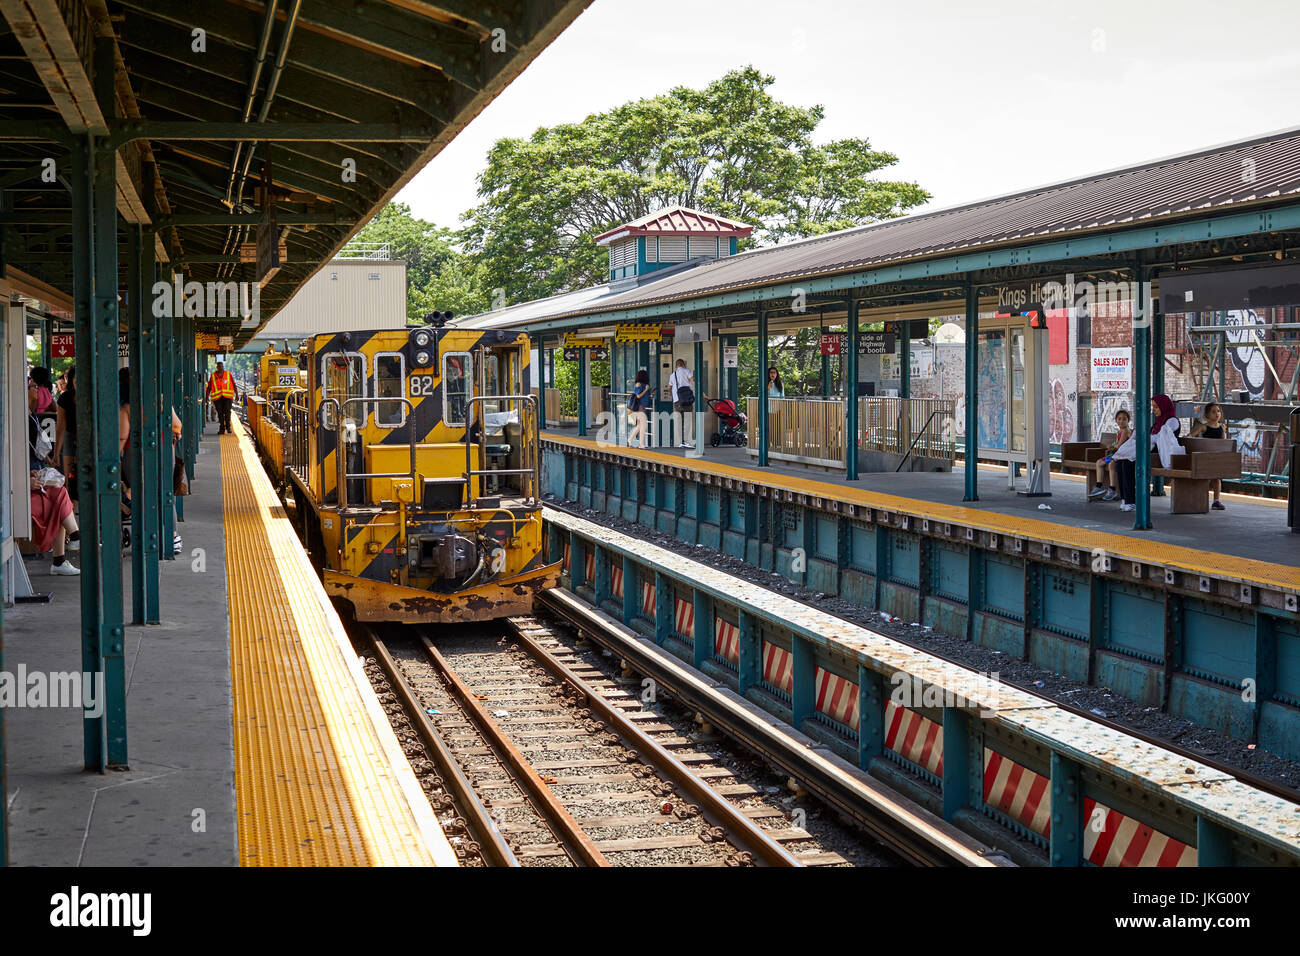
(682, 383)
(636, 410)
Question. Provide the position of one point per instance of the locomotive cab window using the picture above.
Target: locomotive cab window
(344, 377)
(457, 386)
(390, 382)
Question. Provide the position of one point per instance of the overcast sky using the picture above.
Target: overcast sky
(975, 98)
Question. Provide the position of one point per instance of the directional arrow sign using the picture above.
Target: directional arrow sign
(63, 344)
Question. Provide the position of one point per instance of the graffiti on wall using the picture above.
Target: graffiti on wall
(1062, 415)
(1246, 357)
(1104, 407)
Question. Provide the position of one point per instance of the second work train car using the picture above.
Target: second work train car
(412, 460)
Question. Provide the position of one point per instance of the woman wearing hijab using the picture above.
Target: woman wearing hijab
(1163, 439)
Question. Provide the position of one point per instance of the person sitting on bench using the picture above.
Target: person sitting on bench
(1164, 439)
(1212, 426)
(1104, 490)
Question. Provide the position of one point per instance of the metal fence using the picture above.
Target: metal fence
(925, 425)
(807, 430)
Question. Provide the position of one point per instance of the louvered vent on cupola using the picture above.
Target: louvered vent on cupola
(669, 237)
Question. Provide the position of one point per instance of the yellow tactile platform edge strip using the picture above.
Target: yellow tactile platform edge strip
(1247, 570)
(320, 777)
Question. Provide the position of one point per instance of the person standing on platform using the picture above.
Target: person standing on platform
(774, 387)
(682, 383)
(221, 391)
(636, 409)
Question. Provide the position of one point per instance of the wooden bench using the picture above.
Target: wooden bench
(1202, 460)
(1084, 455)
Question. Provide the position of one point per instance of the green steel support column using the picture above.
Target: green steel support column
(956, 761)
(1265, 668)
(1223, 359)
(1065, 844)
(851, 395)
(733, 374)
(905, 361)
(748, 652)
(871, 716)
(1157, 371)
(663, 608)
(107, 463)
(971, 465)
(541, 386)
(698, 430)
(83, 284)
(45, 343)
(577, 562)
(826, 376)
(803, 683)
(702, 627)
(180, 325)
(167, 450)
(192, 400)
(582, 392)
(143, 449)
(1213, 844)
(631, 591)
(1142, 386)
(762, 389)
(601, 569)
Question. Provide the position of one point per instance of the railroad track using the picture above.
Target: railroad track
(558, 764)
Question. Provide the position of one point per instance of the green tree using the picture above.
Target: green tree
(729, 148)
(439, 276)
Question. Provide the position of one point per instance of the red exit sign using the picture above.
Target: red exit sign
(63, 344)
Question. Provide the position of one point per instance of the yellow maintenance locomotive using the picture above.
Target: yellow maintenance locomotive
(267, 410)
(412, 460)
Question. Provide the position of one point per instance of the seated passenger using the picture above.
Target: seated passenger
(1163, 440)
(53, 526)
(1213, 426)
(1103, 490)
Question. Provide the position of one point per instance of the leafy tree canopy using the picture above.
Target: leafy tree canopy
(730, 149)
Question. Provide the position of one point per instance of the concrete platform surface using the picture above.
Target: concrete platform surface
(175, 806)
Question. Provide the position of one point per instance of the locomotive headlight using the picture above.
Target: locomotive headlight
(422, 359)
(422, 339)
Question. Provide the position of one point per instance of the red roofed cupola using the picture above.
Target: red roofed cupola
(668, 237)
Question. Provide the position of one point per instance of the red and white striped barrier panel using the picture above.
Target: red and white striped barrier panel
(837, 698)
(1112, 839)
(565, 566)
(684, 620)
(1017, 791)
(648, 599)
(589, 564)
(914, 737)
(616, 580)
(726, 640)
(778, 667)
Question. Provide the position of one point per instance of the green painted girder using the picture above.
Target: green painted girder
(1274, 219)
(251, 219)
(393, 30)
(241, 28)
(166, 58)
(193, 94)
(125, 131)
(293, 173)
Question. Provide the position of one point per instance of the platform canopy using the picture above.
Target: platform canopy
(320, 110)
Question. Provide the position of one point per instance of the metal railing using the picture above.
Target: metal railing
(527, 412)
(807, 430)
(923, 426)
(340, 456)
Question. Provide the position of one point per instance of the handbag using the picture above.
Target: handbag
(633, 403)
(180, 483)
(685, 395)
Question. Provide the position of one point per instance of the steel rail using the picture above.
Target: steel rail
(911, 831)
(580, 847)
(491, 842)
(716, 809)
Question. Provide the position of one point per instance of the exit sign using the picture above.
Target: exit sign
(63, 344)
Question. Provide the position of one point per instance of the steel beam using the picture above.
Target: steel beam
(851, 394)
(163, 130)
(762, 389)
(971, 467)
(1142, 388)
(146, 427)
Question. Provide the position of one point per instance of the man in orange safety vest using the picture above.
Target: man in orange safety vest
(221, 390)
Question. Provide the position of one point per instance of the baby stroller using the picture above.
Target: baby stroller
(731, 423)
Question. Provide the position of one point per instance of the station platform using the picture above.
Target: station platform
(254, 737)
(1249, 542)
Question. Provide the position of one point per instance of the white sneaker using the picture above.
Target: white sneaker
(686, 444)
(1125, 507)
(73, 544)
(176, 544)
(64, 567)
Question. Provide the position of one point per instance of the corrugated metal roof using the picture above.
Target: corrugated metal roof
(1251, 172)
